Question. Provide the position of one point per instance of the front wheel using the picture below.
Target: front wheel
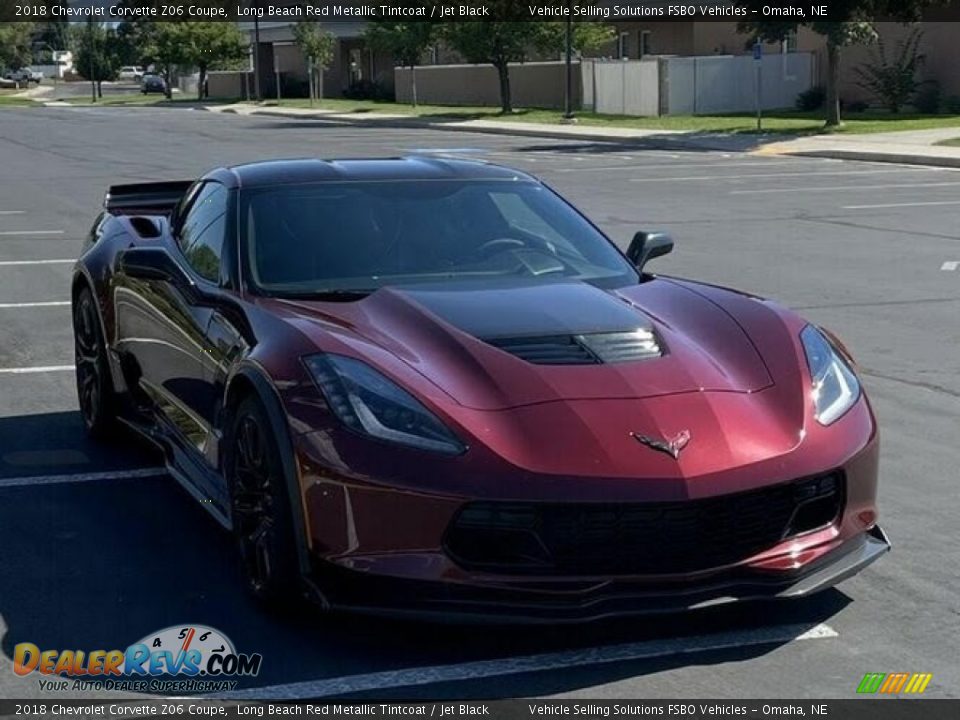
(260, 505)
(94, 385)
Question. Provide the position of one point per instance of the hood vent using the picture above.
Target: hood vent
(593, 349)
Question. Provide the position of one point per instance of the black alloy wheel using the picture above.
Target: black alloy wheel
(94, 386)
(260, 504)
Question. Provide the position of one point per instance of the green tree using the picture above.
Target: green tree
(513, 35)
(317, 46)
(851, 23)
(54, 33)
(210, 45)
(15, 44)
(893, 80)
(166, 49)
(190, 44)
(405, 41)
(96, 57)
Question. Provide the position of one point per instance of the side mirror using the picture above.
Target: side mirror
(647, 246)
(156, 263)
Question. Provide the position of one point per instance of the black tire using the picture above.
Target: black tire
(95, 392)
(260, 507)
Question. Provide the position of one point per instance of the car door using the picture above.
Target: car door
(162, 332)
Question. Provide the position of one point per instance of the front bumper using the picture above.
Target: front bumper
(590, 601)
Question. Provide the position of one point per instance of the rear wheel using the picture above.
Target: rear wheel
(94, 385)
(260, 504)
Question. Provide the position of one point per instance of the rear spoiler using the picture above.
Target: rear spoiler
(158, 198)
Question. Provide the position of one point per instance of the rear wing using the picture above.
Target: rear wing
(155, 198)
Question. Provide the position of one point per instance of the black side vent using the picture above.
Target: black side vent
(145, 227)
(594, 349)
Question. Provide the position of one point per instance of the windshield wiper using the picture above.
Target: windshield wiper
(331, 295)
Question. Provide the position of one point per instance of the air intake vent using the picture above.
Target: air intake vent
(622, 346)
(591, 349)
(556, 350)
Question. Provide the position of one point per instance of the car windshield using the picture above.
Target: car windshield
(326, 237)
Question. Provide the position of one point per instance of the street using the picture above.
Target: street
(98, 547)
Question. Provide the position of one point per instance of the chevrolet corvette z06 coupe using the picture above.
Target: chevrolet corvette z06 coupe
(431, 386)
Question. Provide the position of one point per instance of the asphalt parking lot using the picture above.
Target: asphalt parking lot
(99, 548)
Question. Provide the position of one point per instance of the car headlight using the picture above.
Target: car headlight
(369, 403)
(835, 387)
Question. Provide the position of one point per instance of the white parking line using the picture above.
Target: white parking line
(82, 477)
(7, 263)
(36, 369)
(31, 232)
(54, 303)
(842, 188)
(750, 176)
(12, 212)
(950, 265)
(897, 205)
(629, 652)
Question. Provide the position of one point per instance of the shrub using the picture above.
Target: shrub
(367, 90)
(927, 100)
(812, 99)
(856, 106)
(951, 104)
(893, 81)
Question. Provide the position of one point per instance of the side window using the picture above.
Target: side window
(203, 230)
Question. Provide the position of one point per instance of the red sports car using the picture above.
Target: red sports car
(426, 385)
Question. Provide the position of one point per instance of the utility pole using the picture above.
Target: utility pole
(92, 52)
(758, 81)
(256, 59)
(568, 95)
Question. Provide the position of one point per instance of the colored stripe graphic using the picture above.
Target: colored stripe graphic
(918, 683)
(871, 682)
(894, 683)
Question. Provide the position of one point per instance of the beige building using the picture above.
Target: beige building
(940, 45)
(355, 64)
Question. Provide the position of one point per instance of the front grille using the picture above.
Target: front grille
(588, 349)
(639, 538)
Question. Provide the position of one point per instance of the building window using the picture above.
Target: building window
(623, 45)
(646, 44)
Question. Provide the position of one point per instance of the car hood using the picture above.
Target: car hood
(486, 346)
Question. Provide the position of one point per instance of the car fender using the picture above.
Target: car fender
(256, 376)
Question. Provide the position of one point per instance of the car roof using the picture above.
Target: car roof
(414, 167)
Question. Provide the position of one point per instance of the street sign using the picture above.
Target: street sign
(757, 50)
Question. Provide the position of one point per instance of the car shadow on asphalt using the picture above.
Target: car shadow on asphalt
(57, 444)
(101, 564)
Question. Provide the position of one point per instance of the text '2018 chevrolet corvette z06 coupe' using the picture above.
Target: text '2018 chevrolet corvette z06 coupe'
(431, 386)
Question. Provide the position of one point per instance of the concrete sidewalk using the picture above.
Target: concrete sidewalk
(638, 137)
(915, 147)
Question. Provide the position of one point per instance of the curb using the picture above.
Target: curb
(868, 156)
(652, 141)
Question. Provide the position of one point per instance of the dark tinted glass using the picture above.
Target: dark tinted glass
(364, 235)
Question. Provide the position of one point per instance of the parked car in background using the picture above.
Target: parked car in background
(153, 84)
(131, 72)
(24, 74)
